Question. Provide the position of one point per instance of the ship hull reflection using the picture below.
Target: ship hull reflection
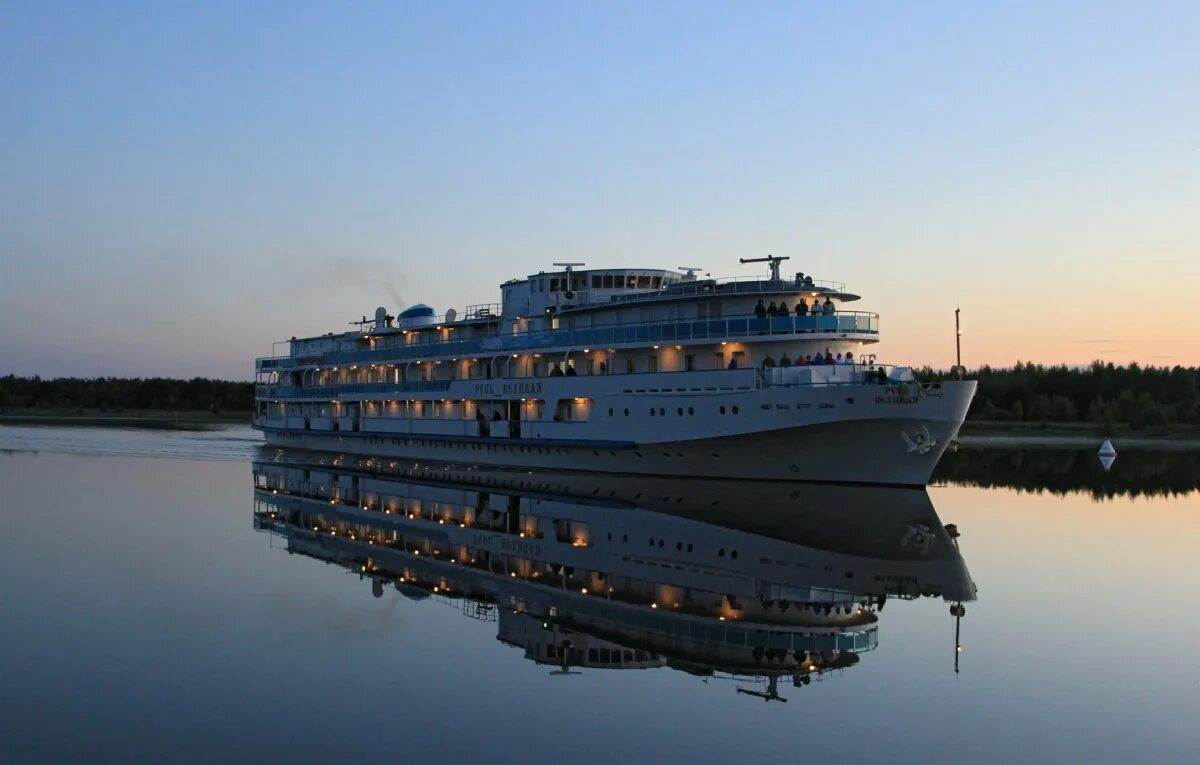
(758, 582)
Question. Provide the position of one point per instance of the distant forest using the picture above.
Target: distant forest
(1107, 395)
(118, 394)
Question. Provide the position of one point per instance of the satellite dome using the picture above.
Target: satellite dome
(420, 315)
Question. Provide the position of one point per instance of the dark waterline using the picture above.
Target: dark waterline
(149, 615)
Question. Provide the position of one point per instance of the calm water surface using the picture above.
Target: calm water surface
(189, 597)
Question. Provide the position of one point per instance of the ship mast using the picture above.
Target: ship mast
(774, 260)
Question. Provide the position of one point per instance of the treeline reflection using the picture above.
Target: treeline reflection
(1066, 471)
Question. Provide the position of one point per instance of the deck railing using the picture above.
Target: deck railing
(713, 379)
(734, 328)
(714, 287)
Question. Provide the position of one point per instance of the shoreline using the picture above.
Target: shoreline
(162, 420)
(974, 435)
(1075, 435)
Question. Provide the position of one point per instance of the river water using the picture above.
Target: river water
(194, 597)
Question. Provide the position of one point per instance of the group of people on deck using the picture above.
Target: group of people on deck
(556, 371)
(817, 360)
(781, 310)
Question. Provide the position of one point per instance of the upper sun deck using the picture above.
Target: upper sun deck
(542, 309)
(600, 289)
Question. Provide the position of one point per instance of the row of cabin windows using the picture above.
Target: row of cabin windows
(603, 282)
(662, 412)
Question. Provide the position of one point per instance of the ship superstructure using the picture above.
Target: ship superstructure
(642, 371)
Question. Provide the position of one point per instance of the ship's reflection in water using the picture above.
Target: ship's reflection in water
(768, 584)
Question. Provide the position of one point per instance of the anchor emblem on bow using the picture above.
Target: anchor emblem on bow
(919, 442)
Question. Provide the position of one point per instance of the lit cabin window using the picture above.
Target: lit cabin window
(631, 281)
(643, 282)
(656, 282)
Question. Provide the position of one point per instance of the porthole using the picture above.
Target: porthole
(691, 411)
(651, 412)
(679, 546)
(660, 543)
(679, 411)
(722, 410)
(610, 412)
(721, 552)
(626, 412)
(662, 411)
(689, 548)
(652, 541)
(624, 537)
(735, 409)
(733, 554)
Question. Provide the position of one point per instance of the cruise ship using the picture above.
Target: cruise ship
(701, 576)
(627, 371)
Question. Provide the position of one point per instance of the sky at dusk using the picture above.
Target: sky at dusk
(180, 186)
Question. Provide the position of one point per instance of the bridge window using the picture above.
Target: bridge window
(554, 285)
(597, 281)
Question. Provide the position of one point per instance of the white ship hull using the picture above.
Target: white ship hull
(864, 434)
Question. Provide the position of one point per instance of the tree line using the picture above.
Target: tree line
(1064, 471)
(1104, 394)
(119, 394)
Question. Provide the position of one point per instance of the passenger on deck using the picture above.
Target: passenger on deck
(556, 370)
(760, 310)
(808, 282)
(783, 312)
(828, 357)
(784, 361)
(827, 308)
(802, 307)
(570, 370)
(732, 363)
(771, 309)
(849, 357)
(799, 278)
(839, 360)
(496, 415)
(768, 362)
(801, 361)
